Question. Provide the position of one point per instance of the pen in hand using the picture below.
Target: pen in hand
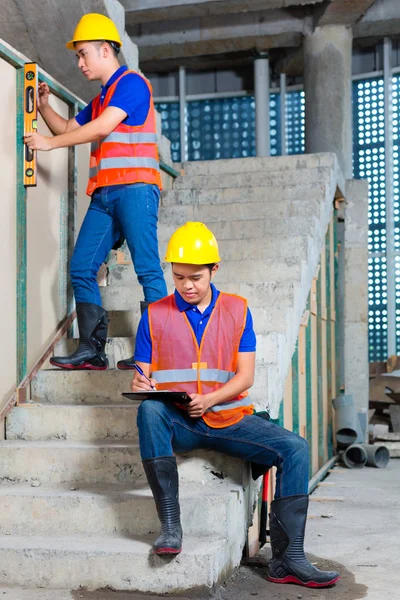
(140, 371)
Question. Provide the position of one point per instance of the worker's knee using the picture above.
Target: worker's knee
(299, 447)
(150, 412)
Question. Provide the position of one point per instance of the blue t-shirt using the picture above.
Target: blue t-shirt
(198, 321)
(131, 95)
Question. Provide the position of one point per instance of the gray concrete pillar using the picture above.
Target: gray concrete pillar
(356, 370)
(327, 87)
(261, 93)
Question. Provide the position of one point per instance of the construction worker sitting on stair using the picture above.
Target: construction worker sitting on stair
(201, 341)
(124, 179)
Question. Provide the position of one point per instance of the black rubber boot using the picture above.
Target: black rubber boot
(289, 564)
(162, 475)
(127, 363)
(92, 323)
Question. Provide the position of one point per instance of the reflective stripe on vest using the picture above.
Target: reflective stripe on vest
(231, 404)
(124, 162)
(183, 375)
(130, 138)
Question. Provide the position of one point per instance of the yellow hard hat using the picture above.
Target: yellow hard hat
(192, 244)
(92, 27)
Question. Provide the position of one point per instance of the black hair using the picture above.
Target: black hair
(209, 266)
(115, 47)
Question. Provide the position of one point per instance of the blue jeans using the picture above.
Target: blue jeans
(164, 429)
(128, 210)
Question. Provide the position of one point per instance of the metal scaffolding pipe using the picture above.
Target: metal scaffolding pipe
(182, 112)
(390, 251)
(261, 89)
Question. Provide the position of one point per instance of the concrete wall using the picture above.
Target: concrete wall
(356, 293)
(7, 231)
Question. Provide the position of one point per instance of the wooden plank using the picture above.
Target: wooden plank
(287, 402)
(329, 426)
(302, 384)
(314, 393)
(320, 409)
(309, 396)
(295, 390)
(324, 357)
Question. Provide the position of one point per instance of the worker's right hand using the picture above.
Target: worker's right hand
(43, 94)
(140, 383)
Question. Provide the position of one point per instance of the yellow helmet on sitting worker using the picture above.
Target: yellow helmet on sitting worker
(93, 27)
(192, 244)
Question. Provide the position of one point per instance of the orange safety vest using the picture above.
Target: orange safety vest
(179, 364)
(129, 154)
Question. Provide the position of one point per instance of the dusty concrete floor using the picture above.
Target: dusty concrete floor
(354, 527)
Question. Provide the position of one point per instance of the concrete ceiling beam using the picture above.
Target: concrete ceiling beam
(343, 12)
(145, 11)
(217, 35)
(382, 19)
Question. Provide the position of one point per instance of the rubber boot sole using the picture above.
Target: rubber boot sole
(310, 584)
(82, 367)
(124, 368)
(167, 551)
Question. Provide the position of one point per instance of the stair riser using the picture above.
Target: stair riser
(137, 571)
(73, 423)
(248, 165)
(76, 464)
(124, 513)
(248, 180)
(101, 387)
(245, 271)
(291, 201)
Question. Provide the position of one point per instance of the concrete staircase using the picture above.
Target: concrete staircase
(75, 509)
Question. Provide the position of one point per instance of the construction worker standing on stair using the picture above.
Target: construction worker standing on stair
(124, 179)
(201, 341)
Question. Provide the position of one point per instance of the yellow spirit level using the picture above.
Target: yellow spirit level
(30, 120)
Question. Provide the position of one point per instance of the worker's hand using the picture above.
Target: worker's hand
(43, 95)
(141, 384)
(35, 141)
(198, 405)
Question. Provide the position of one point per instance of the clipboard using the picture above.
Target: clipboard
(162, 395)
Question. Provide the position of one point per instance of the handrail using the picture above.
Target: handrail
(20, 395)
(168, 169)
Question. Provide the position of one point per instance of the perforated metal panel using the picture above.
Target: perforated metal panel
(396, 197)
(295, 119)
(220, 128)
(369, 162)
(170, 120)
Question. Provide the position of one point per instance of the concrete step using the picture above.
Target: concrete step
(267, 197)
(251, 164)
(117, 348)
(56, 386)
(246, 270)
(115, 562)
(101, 462)
(256, 178)
(206, 510)
(35, 422)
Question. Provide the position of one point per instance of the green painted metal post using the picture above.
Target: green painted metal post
(21, 196)
(309, 385)
(319, 378)
(295, 390)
